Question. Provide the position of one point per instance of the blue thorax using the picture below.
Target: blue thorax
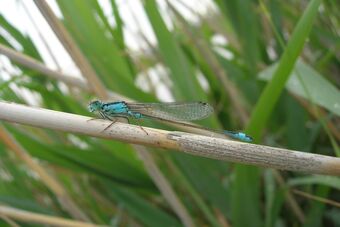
(115, 108)
(119, 108)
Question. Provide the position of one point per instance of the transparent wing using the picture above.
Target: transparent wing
(176, 111)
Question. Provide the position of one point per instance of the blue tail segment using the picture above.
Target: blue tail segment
(239, 136)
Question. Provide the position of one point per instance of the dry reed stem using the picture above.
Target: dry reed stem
(26, 216)
(211, 147)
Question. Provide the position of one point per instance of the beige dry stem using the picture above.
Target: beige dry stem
(211, 147)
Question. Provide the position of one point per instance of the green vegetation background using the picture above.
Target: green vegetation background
(280, 100)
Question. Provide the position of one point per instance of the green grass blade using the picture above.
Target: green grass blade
(141, 209)
(186, 86)
(273, 89)
(314, 83)
(264, 107)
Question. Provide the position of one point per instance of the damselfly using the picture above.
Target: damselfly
(173, 112)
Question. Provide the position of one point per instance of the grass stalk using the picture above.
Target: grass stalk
(31, 217)
(210, 147)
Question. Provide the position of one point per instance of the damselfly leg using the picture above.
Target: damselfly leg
(138, 120)
(113, 119)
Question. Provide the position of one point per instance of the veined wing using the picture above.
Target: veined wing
(175, 111)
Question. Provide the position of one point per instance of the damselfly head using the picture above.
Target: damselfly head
(95, 105)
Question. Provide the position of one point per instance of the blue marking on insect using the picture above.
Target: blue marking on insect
(115, 108)
(135, 115)
(239, 135)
